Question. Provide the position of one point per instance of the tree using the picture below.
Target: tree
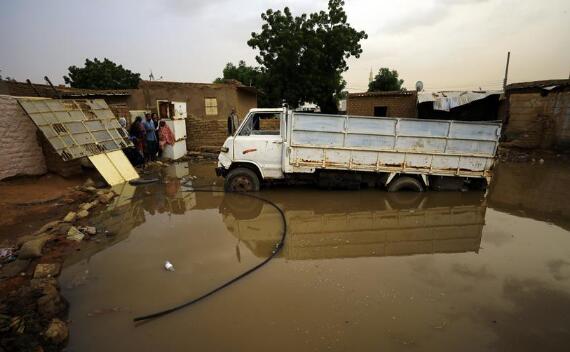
(101, 75)
(386, 80)
(247, 75)
(302, 58)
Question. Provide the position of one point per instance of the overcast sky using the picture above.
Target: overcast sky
(448, 44)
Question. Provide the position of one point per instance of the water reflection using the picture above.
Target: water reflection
(533, 190)
(365, 224)
(348, 277)
(325, 224)
(321, 224)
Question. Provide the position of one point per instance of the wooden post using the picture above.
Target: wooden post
(507, 70)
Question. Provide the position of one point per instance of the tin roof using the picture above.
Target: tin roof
(551, 83)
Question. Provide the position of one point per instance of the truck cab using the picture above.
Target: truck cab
(255, 149)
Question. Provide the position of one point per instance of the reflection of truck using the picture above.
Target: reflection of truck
(399, 153)
(371, 225)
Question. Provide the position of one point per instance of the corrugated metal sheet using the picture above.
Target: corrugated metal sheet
(539, 84)
(448, 100)
(114, 167)
(77, 128)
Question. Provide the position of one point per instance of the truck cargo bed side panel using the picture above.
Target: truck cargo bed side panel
(385, 144)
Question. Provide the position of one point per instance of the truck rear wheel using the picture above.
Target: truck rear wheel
(405, 183)
(241, 179)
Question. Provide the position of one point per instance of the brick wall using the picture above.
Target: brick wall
(269, 124)
(202, 132)
(539, 121)
(21, 153)
(398, 104)
(21, 89)
(55, 163)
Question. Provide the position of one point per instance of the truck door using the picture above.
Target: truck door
(259, 140)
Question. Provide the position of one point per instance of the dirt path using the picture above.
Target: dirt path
(28, 203)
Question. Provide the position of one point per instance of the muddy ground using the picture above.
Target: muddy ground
(360, 270)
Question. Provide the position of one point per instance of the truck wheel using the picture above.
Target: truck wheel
(405, 183)
(241, 179)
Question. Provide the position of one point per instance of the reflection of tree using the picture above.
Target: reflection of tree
(428, 223)
(539, 319)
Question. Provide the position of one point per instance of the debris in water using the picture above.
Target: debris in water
(90, 230)
(75, 235)
(168, 266)
(7, 254)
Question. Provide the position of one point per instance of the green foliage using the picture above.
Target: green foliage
(303, 57)
(101, 75)
(247, 75)
(386, 80)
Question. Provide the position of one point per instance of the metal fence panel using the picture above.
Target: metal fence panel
(77, 128)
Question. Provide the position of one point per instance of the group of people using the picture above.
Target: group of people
(150, 136)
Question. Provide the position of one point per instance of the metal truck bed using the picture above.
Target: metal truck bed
(387, 144)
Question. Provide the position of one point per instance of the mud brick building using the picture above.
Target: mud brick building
(393, 104)
(538, 114)
(21, 147)
(207, 106)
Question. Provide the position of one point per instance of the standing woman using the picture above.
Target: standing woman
(165, 136)
(137, 135)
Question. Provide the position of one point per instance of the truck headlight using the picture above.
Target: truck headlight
(224, 149)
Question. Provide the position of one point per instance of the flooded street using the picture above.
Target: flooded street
(360, 270)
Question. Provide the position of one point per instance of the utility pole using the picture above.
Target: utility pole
(507, 70)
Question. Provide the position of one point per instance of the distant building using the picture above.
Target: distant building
(393, 103)
(308, 107)
(538, 114)
(207, 106)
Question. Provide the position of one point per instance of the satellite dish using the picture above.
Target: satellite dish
(419, 86)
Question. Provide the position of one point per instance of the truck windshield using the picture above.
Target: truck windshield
(261, 123)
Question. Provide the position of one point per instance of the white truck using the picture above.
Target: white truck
(351, 151)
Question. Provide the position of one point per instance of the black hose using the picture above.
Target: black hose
(278, 248)
(143, 181)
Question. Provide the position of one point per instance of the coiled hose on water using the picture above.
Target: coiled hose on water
(274, 253)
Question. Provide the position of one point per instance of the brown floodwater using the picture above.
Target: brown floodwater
(360, 270)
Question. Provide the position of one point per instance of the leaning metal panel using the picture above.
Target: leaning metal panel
(77, 128)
